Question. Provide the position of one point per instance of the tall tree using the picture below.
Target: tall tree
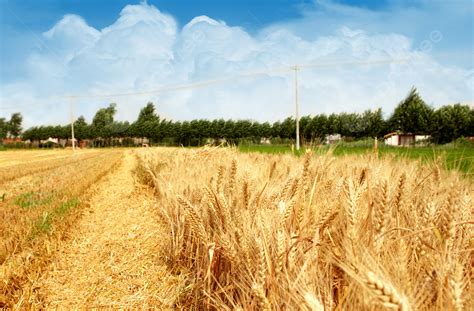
(148, 114)
(318, 127)
(103, 120)
(333, 124)
(350, 124)
(147, 122)
(451, 122)
(288, 128)
(14, 125)
(412, 115)
(373, 123)
(266, 130)
(81, 128)
(304, 127)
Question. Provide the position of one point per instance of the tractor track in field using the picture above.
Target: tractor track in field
(113, 257)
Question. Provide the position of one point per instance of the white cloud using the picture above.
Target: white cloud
(145, 50)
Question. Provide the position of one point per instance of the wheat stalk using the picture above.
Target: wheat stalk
(385, 293)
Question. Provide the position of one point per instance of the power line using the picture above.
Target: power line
(357, 63)
(200, 84)
(185, 86)
(283, 70)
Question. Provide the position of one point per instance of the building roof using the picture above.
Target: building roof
(398, 133)
(390, 135)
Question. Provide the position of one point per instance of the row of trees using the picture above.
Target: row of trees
(412, 115)
(196, 132)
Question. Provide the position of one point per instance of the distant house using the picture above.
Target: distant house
(10, 140)
(422, 139)
(333, 139)
(404, 139)
(84, 143)
(140, 141)
(50, 140)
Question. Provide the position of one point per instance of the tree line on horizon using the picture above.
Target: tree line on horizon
(412, 115)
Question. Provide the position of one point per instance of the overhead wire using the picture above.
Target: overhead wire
(200, 84)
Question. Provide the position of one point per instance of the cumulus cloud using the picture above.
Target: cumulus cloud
(145, 50)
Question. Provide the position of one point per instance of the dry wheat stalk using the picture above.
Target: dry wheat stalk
(196, 222)
(385, 293)
(313, 302)
(279, 241)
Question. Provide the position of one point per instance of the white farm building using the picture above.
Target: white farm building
(404, 139)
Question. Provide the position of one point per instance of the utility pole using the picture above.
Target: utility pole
(297, 109)
(71, 109)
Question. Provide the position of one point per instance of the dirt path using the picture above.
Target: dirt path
(113, 261)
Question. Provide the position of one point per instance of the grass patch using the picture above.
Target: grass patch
(25, 200)
(272, 149)
(65, 207)
(42, 225)
(30, 200)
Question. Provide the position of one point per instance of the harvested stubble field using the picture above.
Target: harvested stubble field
(40, 195)
(213, 228)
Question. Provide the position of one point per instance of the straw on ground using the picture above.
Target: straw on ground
(113, 260)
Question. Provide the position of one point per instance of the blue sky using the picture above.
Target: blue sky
(21, 20)
(102, 13)
(41, 15)
(51, 48)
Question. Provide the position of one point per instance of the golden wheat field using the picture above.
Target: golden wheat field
(215, 229)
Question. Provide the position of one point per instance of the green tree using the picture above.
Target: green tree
(412, 115)
(103, 120)
(256, 132)
(350, 125)
(14, 125)
(81, 129)
(451, 122)
(373, 123)
(242, 129)
(333, 125)
(266, 130)
(29, 133)
(148, 114)
(276, 129)
(219, 130)
(288, 128)
(470, 131)
(3, 128)
(147, 123)
(119, 129)
(304, 127)
(228, 131)
(319, 127)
